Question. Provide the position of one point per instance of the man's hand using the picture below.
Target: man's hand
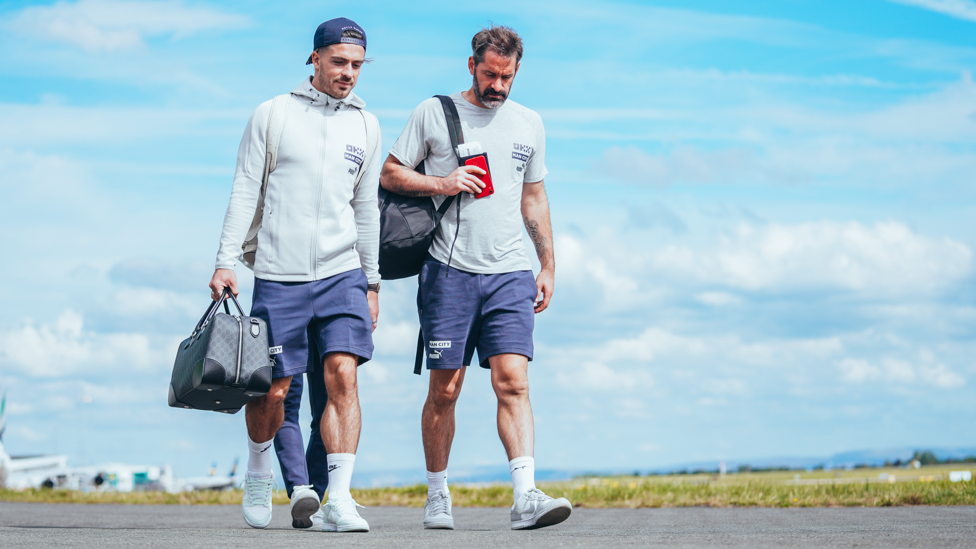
(373, 298)
(223, 278)
(546, 281)
(462, 180)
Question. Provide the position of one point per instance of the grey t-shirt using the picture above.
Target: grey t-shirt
(490, 238)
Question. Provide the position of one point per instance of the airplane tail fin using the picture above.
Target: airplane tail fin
(3, 413)
(233, 469)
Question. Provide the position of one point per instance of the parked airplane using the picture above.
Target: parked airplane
(53, 472)
(26, 471)
(213, 482)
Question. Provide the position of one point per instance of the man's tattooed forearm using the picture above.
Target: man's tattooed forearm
(541, 246)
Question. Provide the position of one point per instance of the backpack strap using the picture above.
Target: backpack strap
(457, 137)
(418, 363)
(367, 157)
(276, 121)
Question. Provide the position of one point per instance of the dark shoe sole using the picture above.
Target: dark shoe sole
(554, 516)
(301, 513)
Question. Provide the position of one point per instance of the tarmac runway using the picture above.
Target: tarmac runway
(103, 526)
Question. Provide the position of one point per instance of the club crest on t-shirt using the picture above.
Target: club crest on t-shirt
(521, 152)
(354, 154)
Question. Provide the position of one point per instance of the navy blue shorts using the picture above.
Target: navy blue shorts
(333, 311)
(464, 311)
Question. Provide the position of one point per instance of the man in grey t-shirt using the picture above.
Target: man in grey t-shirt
(477, 291)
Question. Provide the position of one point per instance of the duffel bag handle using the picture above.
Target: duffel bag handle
(212, 310)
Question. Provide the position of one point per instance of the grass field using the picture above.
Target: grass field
(859, 488)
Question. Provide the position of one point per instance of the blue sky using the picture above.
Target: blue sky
(762, 214)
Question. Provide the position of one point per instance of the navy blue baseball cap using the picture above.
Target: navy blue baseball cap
(331, 31)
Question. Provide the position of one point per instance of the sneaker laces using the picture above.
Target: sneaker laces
(438, 503)
(302, 487)
(347, 505)
(536, 494)
(257, 491)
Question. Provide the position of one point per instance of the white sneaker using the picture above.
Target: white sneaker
(257, 501)
(537, 510)
(304, 503)
(437, 511)
(342, 516)
(318, 519)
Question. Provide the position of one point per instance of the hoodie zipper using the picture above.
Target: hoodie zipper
(313, 253)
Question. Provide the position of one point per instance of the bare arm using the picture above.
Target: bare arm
(403, 180)
(535, 214)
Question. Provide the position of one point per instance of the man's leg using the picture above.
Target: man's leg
(532, 508)
(510, 380)
(287, 312)
(291, 456)
(448, 308)
(437, 429)
(437, 421)
(341, 421)
(288, 442)
(315, 453)
(516, 428)
(264, 416)
(341, 425)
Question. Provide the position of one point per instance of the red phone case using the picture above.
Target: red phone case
(481, 160)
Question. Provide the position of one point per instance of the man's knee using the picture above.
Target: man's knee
(509, 376)
(278, 392)
(445, 386)
(340, 373)
(274, 398)
(512, 387)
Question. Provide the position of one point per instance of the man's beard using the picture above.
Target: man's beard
(490, 98)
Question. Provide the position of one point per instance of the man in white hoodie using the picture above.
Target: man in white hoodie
(315, 269)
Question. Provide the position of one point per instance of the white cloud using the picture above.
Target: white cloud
(598, 376)
(960, 9)
(394, 338)
(66, 348)
(857, 370)
(886, 259)
(106, 25)
(626, 364)
(940, 375)
(134, 302)
(27, 433)
(899, 371)
(376, 371)
(923, 139)
(718, 299)
(48, 126)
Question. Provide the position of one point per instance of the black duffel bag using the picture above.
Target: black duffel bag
(224, 364)
(407, 223)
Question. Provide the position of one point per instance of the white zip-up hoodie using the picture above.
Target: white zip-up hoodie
(316, 224)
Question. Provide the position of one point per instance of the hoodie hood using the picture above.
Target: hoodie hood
(316, 98)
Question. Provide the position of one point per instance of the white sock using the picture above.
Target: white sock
(523, 475)
(437, 481)
(340, 475)
(259, 458)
